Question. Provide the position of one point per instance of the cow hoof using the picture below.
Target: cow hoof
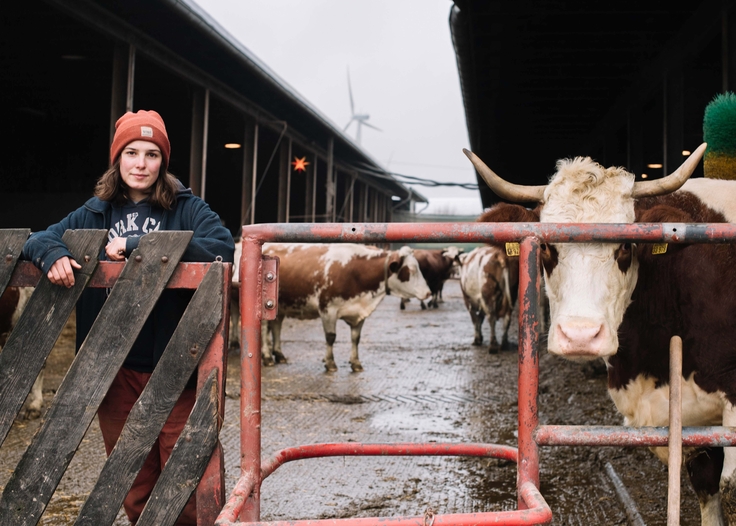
(268, 362)
(279, 357)
(478, 341)
(402, 306)
(424, 307)
(356, 367)
(493, 349)
(330, 367)
(31, 414)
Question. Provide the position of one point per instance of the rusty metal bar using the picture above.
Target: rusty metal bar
(537, 512)
(354, 449)
(632, 513)
(566, 435)
(496, 232)
(244, 503)
(251, 279)
(674, 452)
(186, 275)
(529, 290)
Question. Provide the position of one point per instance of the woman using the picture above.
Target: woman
(135, 196)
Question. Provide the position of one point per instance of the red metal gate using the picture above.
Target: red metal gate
(259, 291)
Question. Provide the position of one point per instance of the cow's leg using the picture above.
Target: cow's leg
(505, 336)
(422, 305)
(728, 473)
(704, 466)
(329, 324)
(403, 303)
(34, 401)
(275, 327)
(355, 364)
(477, 316)
(493, 346)
(266, 356)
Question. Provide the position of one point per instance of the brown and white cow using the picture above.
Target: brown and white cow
(336, 282)
(623, 302)
(12, 303)
(489, 280)
(437, 266)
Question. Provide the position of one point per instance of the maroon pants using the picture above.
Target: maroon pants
(114, 410)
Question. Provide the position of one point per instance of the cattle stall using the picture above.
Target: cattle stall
(257, 302)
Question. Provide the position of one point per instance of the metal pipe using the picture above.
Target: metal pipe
(559, 435)
(354, 449)
(538, 512)
(674, 450)
(632, 513)
(494, 232)
(529, 289)
(251, 280)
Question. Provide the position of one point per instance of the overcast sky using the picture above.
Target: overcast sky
(403, 74)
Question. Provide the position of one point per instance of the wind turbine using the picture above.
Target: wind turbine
(361, 119)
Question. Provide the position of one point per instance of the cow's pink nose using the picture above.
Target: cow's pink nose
(581, 337)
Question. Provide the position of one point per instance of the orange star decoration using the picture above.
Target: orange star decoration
(300, 164)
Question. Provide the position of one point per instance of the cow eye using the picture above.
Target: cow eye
(623, 256)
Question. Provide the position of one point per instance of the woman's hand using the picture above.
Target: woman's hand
(62, 273)
(115, 249)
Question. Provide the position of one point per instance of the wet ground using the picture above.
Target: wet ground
(423, 381)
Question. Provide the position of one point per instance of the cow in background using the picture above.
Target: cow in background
(489, 280)
(437, 267)
(337, 282)
(12, 303)
(622, 302)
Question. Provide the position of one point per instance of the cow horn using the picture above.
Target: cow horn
(504, 189)
(673, 181)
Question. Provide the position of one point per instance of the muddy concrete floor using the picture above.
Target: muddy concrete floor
(423, 381)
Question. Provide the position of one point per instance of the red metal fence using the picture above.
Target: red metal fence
(256, 303)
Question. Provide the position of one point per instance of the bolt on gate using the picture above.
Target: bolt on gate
(258, 301)
(198, 344)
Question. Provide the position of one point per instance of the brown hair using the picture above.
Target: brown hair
(110, 187)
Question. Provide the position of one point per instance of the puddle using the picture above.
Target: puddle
(415, 423)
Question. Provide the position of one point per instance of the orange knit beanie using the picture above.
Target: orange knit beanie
(141, 126)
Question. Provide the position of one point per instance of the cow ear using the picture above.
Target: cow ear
(395, 260)
(661, 214)
(508, 213)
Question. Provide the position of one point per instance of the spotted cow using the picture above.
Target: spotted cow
(437, 266)
(623, 302)
(336, 282)
(489, 280)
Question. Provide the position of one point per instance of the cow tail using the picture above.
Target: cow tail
(507, 287)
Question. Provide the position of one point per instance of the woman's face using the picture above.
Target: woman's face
(140, 162)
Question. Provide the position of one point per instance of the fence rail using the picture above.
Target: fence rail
(199, 342)
(243, 506)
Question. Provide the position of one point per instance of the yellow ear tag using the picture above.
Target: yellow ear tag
(659, 248)
(512, 249)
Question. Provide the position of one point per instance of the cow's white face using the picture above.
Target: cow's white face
(589, 284)
(408, 281)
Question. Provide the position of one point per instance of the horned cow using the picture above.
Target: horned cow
(623, 302)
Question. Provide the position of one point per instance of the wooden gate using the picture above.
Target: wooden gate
(200, 340)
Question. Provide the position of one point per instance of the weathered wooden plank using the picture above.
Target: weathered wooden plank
(40, 325)
(131, 300)
(187, 462)
(11, 245)
(149, 414)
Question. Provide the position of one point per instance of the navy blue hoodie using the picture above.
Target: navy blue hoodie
(189, 212)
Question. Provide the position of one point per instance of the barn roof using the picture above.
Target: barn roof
(552, 79)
